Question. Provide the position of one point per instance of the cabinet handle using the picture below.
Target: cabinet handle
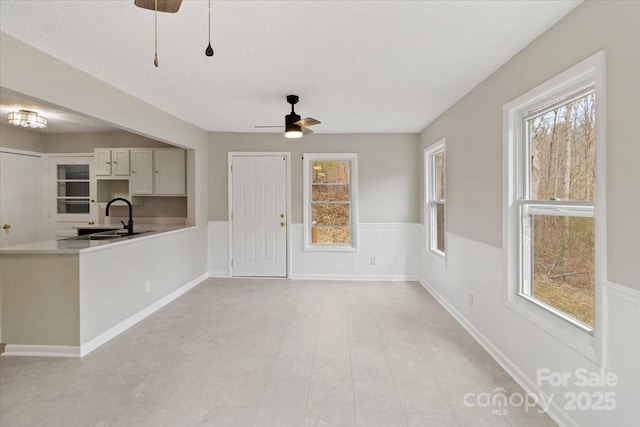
(91, 222)
(133, 171)
(115, 163)
(157, 172)
(282, 224)
(6, 226)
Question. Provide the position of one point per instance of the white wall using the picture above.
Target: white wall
(475, 258)
(112, 279)
(395, 247)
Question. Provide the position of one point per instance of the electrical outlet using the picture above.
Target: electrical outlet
(373, 260)
(147, 287)
(470, 299)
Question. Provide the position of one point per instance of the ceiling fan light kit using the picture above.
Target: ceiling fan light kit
(294, 127)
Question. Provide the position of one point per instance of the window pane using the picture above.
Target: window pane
(331, 235)
(440, 227)
(563, 264)
(73, 171)
(330, 193)
(73, 189)
(563, 152)
(66, 206)
(330, 213)
(438, 161)
(330, 171)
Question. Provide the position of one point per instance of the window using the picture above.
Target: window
(434, 160)
(554, 192)
(330, 201)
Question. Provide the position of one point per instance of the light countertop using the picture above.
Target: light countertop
(75, 245)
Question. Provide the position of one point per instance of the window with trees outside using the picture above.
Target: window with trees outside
(434, 158)
(330, 201)
(554, 210)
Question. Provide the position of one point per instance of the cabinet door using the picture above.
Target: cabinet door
(141, 172)
(103, 162)
(170, 172)
(72, 196)
(120, 162)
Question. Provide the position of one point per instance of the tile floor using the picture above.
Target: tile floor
(271, 353)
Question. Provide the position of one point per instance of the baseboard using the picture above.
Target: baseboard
(220, 274)
(354, 277)
(41, 350)
(555, 411)
(127, 323)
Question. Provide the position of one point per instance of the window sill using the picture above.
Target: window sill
(440, 257)
(571, 334)
(330, 248)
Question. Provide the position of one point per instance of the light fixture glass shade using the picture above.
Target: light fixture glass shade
(27, 119)
(293, 134)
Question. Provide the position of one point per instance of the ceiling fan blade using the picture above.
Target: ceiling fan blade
(309, 121)
(306, 131)
(170, 6)
(257, 127)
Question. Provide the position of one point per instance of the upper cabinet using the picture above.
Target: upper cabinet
(112, 162)
(142, 171)
(169, 172)
(159, 172)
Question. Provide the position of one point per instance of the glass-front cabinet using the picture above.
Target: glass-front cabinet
(72, 200)
(73, 195)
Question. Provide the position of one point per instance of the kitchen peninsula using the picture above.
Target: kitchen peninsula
(67, 297)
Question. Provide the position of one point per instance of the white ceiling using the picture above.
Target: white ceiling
(358, 66)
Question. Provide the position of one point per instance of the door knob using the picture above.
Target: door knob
(282, 224)
(6, 226)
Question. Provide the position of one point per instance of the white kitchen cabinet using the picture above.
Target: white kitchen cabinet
(141, 171)
(158, 172)
(112, 161)
(169, 172)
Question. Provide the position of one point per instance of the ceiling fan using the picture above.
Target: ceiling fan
(294, 127)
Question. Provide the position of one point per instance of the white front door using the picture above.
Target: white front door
(258, 215)
(21, 213)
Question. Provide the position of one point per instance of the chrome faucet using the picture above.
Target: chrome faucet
(130, 226)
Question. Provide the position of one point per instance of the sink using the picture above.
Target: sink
(113, 235)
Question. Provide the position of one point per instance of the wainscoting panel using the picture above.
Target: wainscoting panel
(395, 247)
(471, 285)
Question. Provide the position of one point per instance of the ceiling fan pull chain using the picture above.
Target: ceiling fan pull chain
(155, 56)
(209, 50)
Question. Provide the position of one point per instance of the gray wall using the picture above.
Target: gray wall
(21, 139)
(387, 166)
(473, 128)
(86, 142)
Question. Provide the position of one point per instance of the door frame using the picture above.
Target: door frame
(287, 156)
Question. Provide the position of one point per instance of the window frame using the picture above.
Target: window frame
(561, 89)
(352, 158)
(432, 201)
